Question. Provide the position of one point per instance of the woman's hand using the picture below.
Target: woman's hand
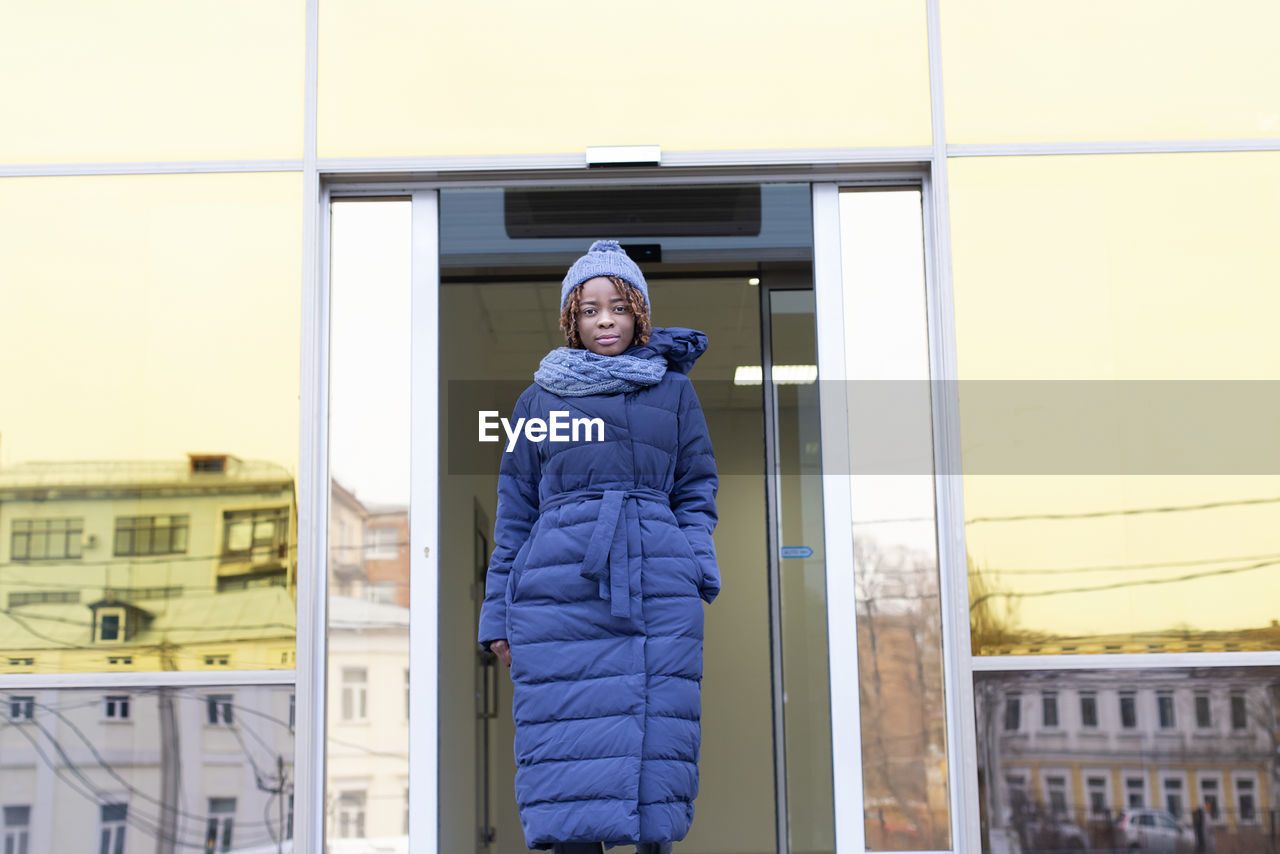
(502, 649)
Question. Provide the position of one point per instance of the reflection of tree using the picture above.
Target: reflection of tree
(993, 614)
(900, 640)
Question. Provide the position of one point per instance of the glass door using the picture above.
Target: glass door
(797, 563)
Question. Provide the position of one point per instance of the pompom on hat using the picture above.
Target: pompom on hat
(604, 258)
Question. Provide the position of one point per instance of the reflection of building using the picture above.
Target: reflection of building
(368, 549)
(367, 774)
(140, 771)
(1078, 747)
(147, 565)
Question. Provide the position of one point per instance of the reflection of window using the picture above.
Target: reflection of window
(110, 625)
(288, 826)
(113, 818)
(1088, 709)
(22, 708)
(17, 829)
(1246, 806)
(218, 709)
(1012, 712)
(293, 711)
(1055, 787)
(1239, 714)
(46, 539)
(1128, 710)
(119, 660)
(151, 535)
(1164, 709)
(383, 544)
(1097, 791)
(1210, 796)
(1204, 711)
(217, 661)
(1019, 801)
(1135, 791)
(260, 536)
(1049, 708)
(351, 815)
(1173, 796)
(115, 707)
(222, 816)
(355, 699)
(36, 597)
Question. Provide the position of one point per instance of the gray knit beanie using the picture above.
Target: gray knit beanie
(604, 258)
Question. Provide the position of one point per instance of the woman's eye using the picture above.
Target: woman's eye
(587, 312)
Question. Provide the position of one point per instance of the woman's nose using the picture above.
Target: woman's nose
(605, 320)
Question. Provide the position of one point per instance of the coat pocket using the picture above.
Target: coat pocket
(517, 568)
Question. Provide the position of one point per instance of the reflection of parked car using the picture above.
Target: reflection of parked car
(1054, 834)
(1154, 830)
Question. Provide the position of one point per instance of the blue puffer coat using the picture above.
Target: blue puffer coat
(602, 552)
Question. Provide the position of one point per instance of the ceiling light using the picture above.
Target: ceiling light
(782, 374)
(753, 281)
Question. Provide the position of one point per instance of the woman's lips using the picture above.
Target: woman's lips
(606, 339)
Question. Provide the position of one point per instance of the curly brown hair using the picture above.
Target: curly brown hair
(635, 304)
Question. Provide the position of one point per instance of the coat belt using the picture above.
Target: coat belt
(606, 560)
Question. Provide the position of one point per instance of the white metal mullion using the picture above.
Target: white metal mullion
(313, 501)
(842, 631)
(962, 746)
(424, 528)
(151, 167)
(143, 679)
(1144, 661)
(1138, 146)
(866, 177)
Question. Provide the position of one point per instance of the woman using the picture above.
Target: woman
(602, 552)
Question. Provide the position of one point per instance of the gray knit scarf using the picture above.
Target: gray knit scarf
(578, 373)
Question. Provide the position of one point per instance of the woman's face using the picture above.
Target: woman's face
(605, 323)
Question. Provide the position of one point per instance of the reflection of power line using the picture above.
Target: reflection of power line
(88, 791)
(106, 766)
(1064, 570)
(328, 739)
(1133, 511)
(1149, 582)
(133, 561)
(88, 624)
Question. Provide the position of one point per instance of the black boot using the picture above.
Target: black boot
(577, 848)
(653, 848)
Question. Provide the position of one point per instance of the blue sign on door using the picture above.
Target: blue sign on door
(796, 551)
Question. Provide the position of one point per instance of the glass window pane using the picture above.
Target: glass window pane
(200, 80)
(1136, 70)
(904, 742)
(1120, 476)
(143, 282)
(516, 101)
(135, 782)
(1100, 788)
(368, 636)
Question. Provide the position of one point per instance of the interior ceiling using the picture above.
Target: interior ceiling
(521, 319)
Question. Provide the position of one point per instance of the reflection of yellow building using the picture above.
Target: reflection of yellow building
(1075, 749)
(147, 566)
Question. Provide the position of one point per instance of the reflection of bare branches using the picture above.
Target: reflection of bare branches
(989, 627)
(899, 648)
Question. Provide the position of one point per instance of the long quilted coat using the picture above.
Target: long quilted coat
(602, 554)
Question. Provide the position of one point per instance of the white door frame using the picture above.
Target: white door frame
(424, 475)
(424, 527)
